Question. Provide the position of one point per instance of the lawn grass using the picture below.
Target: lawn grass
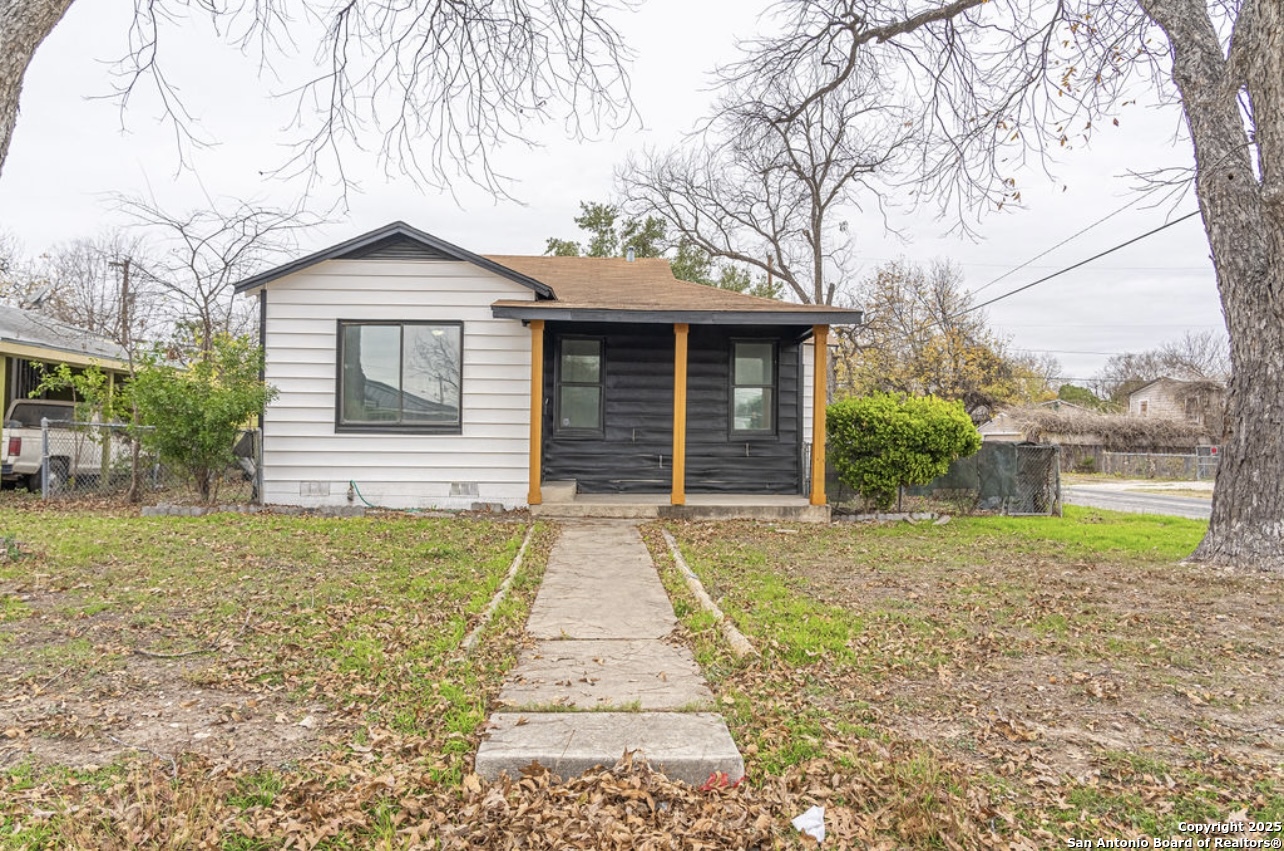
(996, 680)
(354, 621)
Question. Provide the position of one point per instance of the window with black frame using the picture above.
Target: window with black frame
(579, 386)
(400, 376)
(753, 387)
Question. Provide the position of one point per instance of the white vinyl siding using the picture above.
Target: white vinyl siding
(306, 462)
(809, 361)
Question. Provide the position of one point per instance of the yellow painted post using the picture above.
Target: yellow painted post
(819, 396)
(533, 495)
(4, 372)
(679, 493)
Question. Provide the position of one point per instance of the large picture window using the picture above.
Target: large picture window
(400, 376)
(753, 387)
(579, 386)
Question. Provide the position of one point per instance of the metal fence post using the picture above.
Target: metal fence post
(257, 495)
(44, 458)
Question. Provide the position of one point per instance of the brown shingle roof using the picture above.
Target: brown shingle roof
(597, 284)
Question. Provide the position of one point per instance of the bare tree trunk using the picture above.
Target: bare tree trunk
(1244, 219)
(23, 25)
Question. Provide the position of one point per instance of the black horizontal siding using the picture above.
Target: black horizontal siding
(396, 248)
(635, 452)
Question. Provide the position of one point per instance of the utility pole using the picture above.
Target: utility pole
(127, 343)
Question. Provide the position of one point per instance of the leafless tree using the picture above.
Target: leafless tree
(13, 277)
(767, 183)
(1195, 357)
(1004, 82)
(80, 283)
(441, 82)
(195, 259)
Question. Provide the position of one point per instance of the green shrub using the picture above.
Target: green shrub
(881, 442)
(199, 408)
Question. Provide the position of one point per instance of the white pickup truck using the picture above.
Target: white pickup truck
(72, 453)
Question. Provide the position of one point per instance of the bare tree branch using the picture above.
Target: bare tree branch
(195, 258)
(441, 83)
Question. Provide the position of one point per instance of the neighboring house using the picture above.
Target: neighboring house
(29, 340)
(1009, 427)
(1084, 435)
(1201, 401)
(429, 376)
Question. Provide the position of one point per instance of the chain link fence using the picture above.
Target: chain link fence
(79, 460)
(1200, 466)
(1005, 478)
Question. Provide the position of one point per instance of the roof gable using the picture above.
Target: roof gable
(396, 241)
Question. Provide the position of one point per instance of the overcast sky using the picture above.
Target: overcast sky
(70, 151)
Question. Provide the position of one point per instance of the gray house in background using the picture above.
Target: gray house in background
(1201, 401)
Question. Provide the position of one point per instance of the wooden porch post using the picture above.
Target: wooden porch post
(819, 396)
(678, 496)
(533, 495)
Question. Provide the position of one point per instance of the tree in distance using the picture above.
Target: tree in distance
(920, 337)
(1195, 357)
(1081, 396)
(882, 442)
(764, 185)
(612, 234)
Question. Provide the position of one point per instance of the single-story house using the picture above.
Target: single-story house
(1201, 401)
(30, 340)
(420, 374)
(1007, 427)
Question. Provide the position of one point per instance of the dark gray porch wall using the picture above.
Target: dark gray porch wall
(635, 455)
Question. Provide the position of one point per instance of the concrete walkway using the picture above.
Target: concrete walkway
(602, 674)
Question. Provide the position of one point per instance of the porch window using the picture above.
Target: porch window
(579, 386)
(753, 390)
(400, 376)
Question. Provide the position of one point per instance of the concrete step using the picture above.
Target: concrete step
(589, 510)
(586, 508)
(768, 513)
(685, 746)
(597, 675)
(559, 491)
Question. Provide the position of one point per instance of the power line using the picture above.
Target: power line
(1081, 263)
(1122, 325)
(1063, 352)
(1070, 238)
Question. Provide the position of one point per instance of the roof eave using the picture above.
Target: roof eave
(691, 317)
(29, 349)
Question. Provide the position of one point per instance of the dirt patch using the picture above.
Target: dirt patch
(1069, 662)
(81, 693)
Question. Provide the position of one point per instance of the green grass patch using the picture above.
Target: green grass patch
(968, 650)
(361, 615)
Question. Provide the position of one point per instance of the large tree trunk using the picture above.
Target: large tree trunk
(1243, 215)
(23, 25)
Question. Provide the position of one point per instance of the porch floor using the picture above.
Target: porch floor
(561, 502)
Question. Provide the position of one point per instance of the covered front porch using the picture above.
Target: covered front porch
(653, 397)
(666, 433)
